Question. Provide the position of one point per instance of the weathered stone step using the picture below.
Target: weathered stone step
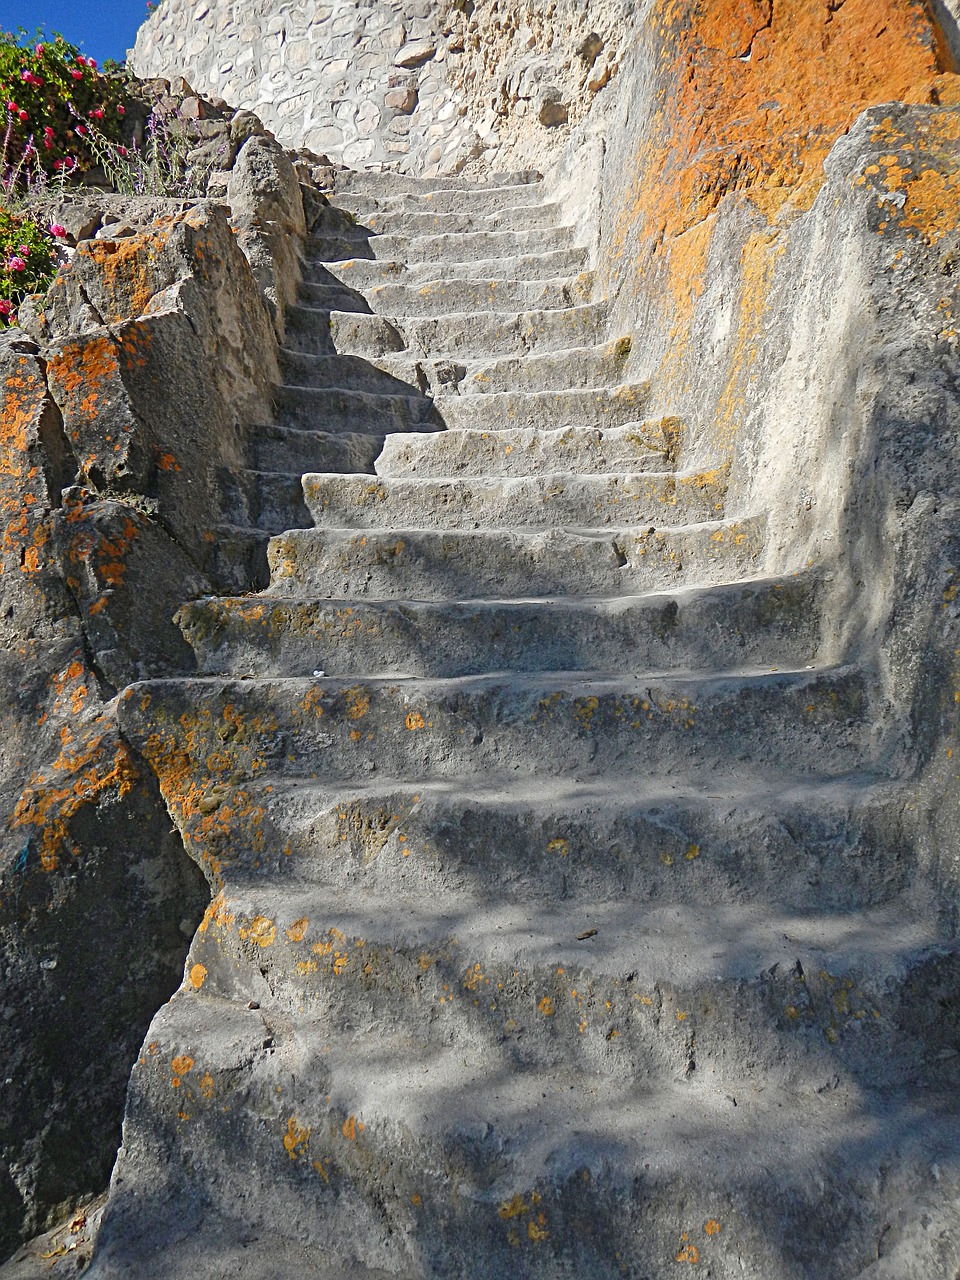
(365, 272)
(462, 335)
(771, 622)
(450, 296)
(730, 837)
(338, 411)
(583, 407)
(404, 185)
(455, 1161)
(635, 447)
(276, 447)
(544, 725)
(577, 367)
(682, 995)
(564, 500)
(268, 500)
(405, 564)
(463, 221)
(481, 200)
(470, 246)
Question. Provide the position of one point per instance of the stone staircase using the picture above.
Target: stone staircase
(563, 924)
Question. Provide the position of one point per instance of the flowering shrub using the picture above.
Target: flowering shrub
(28, 260)
(52, 95)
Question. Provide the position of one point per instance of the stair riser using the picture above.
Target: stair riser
(559, 501)
(763, 626)
(400, 185)
(463, 336)
(481, 246)
(302, 451)
(635, 448)
(591, 367)
(418, 565)
(545, 410)
(480, 201)
(322, 729)
(419, 222)
(345, 412)
(451, 296)
(266, 500)
(364, 272)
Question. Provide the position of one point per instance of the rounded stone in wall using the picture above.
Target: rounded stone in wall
(357, 152)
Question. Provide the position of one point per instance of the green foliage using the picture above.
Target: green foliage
(28, 261)
(52, 96)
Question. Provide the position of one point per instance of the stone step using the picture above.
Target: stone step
(339, 411)
(695, 842)
(544, 725)
(359, 411)
(397, 1158)
(405, 564)
(520, 502)
(277, 447)
(577, 367)
(463, 221)
(524, 451)
(481, 200)
(365, 272)
(239, 556)
(443, 967)
(768, 622)
(599, 407)
(403, 185)
(449, 296)
(269, 500)
(463, 335)
(471, 246)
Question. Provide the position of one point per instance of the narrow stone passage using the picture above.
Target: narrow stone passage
(560, 925)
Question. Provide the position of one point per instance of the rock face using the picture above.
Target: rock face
(126, 431)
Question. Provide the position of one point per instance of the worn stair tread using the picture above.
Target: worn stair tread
(422, 300)
(492, 276)
(361, 181)
(465, 563)
(573, 367)
(519, 451)
(479, 335)
(657, 944)
(578, 723)
(554, 499)
(471, 246)
(530, 195)
(435, 222)
(776, 619)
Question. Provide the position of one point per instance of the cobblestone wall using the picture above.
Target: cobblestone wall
(423, 87)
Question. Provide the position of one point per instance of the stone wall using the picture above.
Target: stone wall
(425, 88)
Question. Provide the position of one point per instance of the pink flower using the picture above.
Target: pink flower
(39, 51)
(16, 264)
(81, 129)
(57, 230)
(48, 144)
(23, 117)
(121, 111)
(12, 106)
(91, 62)
(81, 60)
(96, 113)
(6, 307)
(121, 151)
(77, 75)
(25, 250)
(47, 131)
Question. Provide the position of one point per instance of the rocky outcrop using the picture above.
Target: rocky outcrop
(129, 413)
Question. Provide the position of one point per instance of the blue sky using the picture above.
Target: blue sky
(101, 28)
